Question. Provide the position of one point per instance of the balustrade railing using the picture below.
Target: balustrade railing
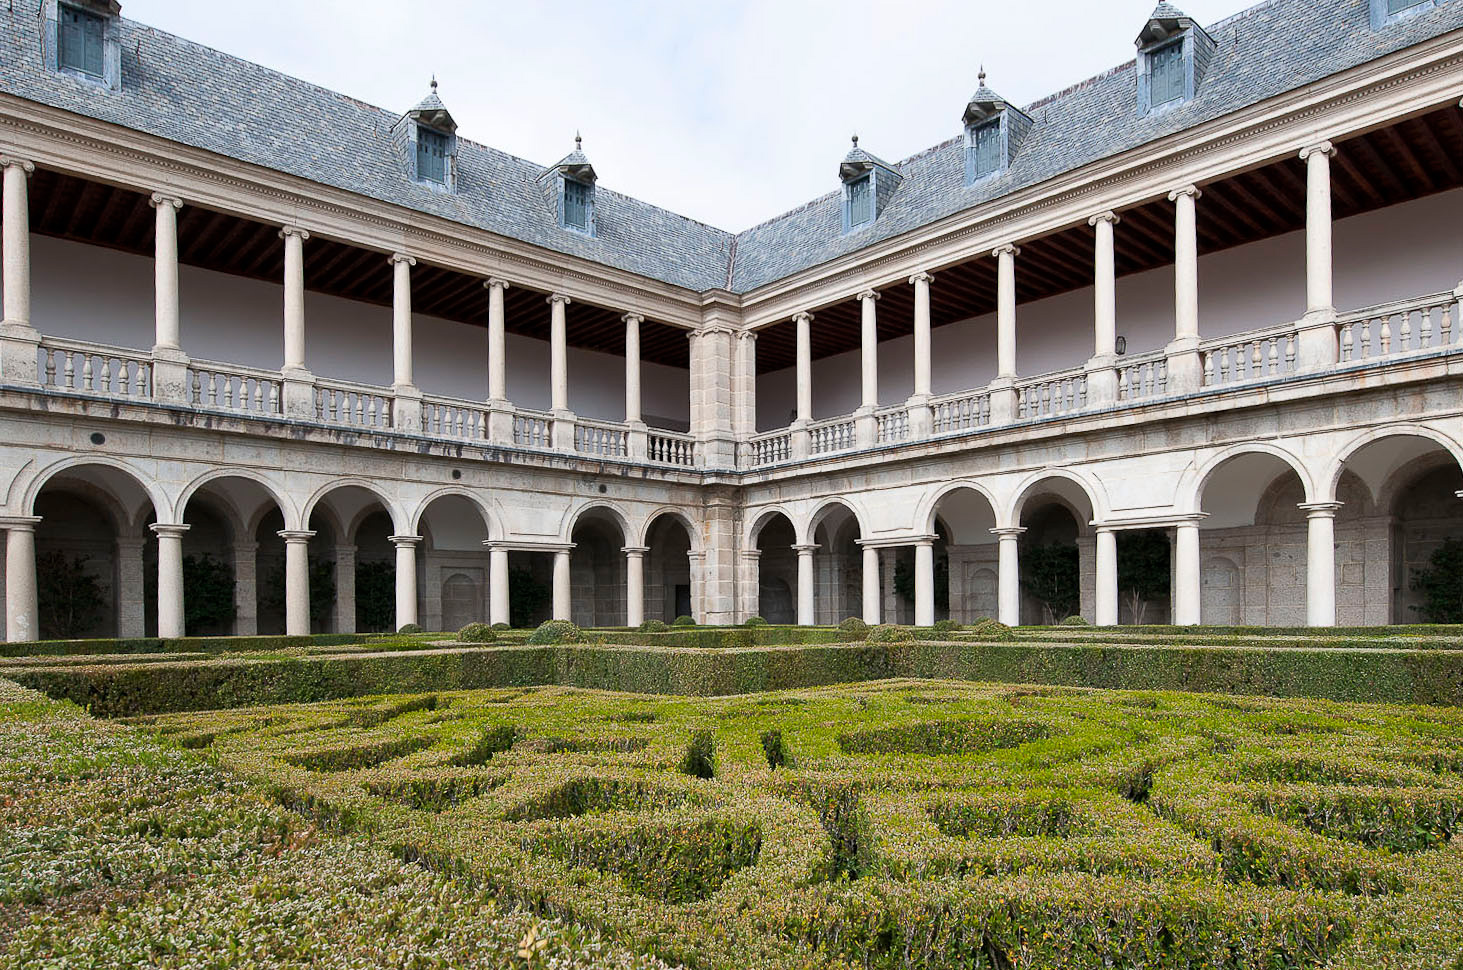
(533, 429)
(352, 405)
(1410, 326)
(1143, 377)
(960, 412)
(893, 425)
(223, 387)
(444, 417)
(1052, 395)
(603, 440)
(86, 368)
(771, 448)
(830, 436)
(1253, 356)
(671, 448)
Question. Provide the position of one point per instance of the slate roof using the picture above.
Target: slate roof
(197, 96)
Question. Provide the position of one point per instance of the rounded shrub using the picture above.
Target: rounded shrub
(556, 631)
(476, 633)
(988, 629)
(654, 626)
(502, 626)
(946, 626)
(754, 621)
(1075, 621)
(888, 633)
(411, 628)
(683, 621)
(853, 627)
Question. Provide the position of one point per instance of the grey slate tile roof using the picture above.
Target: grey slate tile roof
(197, 96)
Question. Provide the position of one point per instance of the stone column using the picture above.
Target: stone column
(924, 582)
(1186, 572)
(299, 383)
(639, 439)
(19, 341)
(1102, 378)
(497, 582)
(745, 394)
(406, 578)
(169, 363)
(749, 582)
(1185, 372)
(696, 565)
(1107, 578)
(713, 399)
(246, 591)
(22, 613)
(807, 598)
(871, 586)
(866, 428)
(500, 411)
(634, 585)
(345, 589)
(1318, 342)
(802, 443)
(1003, 388)
(1320, 562)
(406, 406)
(562, 602)
(1008, 575)
(296, 581)
(169, 578)
(919, 402)
(131, 612)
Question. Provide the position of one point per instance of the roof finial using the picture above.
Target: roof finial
(578, 141)
(982, 75)
(434, 82)
(855, 140)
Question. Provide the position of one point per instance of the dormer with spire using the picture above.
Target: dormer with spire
(869, 183)
(568, 186)
(994, 131)
(1173, 55)
(427, 138)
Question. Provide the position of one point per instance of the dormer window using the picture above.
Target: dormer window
(568, 187)
(860, 201)
(431, 156)
(82, 41)
(1386, 12)
(1166, 74)
(868, 184)
(985, 148)
(994, 131)
(578, 200)
(1173, 53)
(426, 137)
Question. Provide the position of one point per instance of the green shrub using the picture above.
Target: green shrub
(776, 750)
(654, 626)
(555, 632)
(500, 627)
(493, 740)
(477, 633)
(754, 621)
(1075, 620)
(888, 633)
(944, 737)
(946, 626)
(700, 759)
(683, 621)
(991, 630)
(854, 628)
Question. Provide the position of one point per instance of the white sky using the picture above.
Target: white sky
(727, 112)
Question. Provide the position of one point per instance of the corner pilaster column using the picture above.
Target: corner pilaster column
(1187, 587)
(634, 584)
(131, 612)
(1102, 378)
(497, 582)
(744, 393)
(406, 578)
(713, 398)
(924, 582)
(1318, 346)
(1008, 575)
(1185, 372)
(246, 589)
(639, 439)
(18, 339)
(749, 582)
(559, 373)
(871, 585)
(299, 383)
(1003, 388)
(22, 619)
(1320, 562)
(406, 405)
(696, 563)
(562, 601)
(1107, 578)
(919, 401)
(296, 581)
(866, 427)
(500, 412)
(802, 443)
(169, 363)
(345, 589)
(806, 585)
(169, 578)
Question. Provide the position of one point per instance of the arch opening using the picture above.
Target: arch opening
(777, 569)
(966, 556)
(668, 576)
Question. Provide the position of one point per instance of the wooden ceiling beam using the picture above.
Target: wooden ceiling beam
(1429, 136)
(1400, 146)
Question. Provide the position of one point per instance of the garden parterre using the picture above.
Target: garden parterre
(906, 823)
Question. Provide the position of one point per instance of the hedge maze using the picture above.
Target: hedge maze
(905, 823)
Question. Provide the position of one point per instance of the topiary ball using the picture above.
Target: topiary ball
(992, 630)
(755, 621)
(683, 621)
(654, 626)
(476, 633)
(501, 626)
(411, 628)
(946, 626)
(888, 633)
(556, 631)
(854, 628)
(1075, 621)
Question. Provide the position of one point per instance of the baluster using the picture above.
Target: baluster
(144, 380)
(1404, 334)
(1366, 338)
(88, 374)
(274, 397)
(68, 369)
(1274, 362)
(1386, 336)
(1425, 330)
(1209, 368)
(1290, 348)
(124, 378)
(1124, 390)
(50, 367)
(1346, 339)
(106, 374)
(258, 395)
(1445, 329)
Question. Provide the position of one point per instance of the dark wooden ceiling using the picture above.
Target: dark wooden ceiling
(1398, 163)
(92, 212)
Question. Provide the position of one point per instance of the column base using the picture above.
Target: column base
(1003, 400)
(170, 384)
(298, 394)
(1184, 365)
(19, 349)
(637, 441)
(564, 431)
(717, 452)
(406, 408)
(921, 419)
(1102, 381)
(801, 442)
(865, 428)
(500, 424)
(1317, 344)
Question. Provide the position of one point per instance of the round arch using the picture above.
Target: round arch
(44, 476)
(319, 495)
(611, 511)
(642, 538)
(1096, 499)
(490, 524)
(756, 523)
(1331, 478)
(1192, 485)
(271, 489)
(823, 510)
(929, 507)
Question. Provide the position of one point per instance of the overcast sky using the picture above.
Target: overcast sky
(728, 112)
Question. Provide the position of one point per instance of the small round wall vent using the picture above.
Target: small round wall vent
(456, 473)
(97, 438)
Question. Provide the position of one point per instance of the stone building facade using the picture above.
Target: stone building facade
(1201, 310)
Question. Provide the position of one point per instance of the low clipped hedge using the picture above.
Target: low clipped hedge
(249, 644)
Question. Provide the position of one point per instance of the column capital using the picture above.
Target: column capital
(559, 298)
(802, 315)
(1320, 510)
(868, 295)
(751, 553)
(28, 523)
(1193, 518)
(695, 556)
(293, 536)
(173, 529)
(160, 199)
(805, 548)
(1109, 217)
(1009, 249)
(1009, 531)
(924, 540)
(633, 317)
(494, 281)
(288, 231)
(346, 547)
(635, 552)
(400, 541)
(1319, 148)
(1191, 191)
(11, 161)
(402, 258)
(921, 277)
(746, 335)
